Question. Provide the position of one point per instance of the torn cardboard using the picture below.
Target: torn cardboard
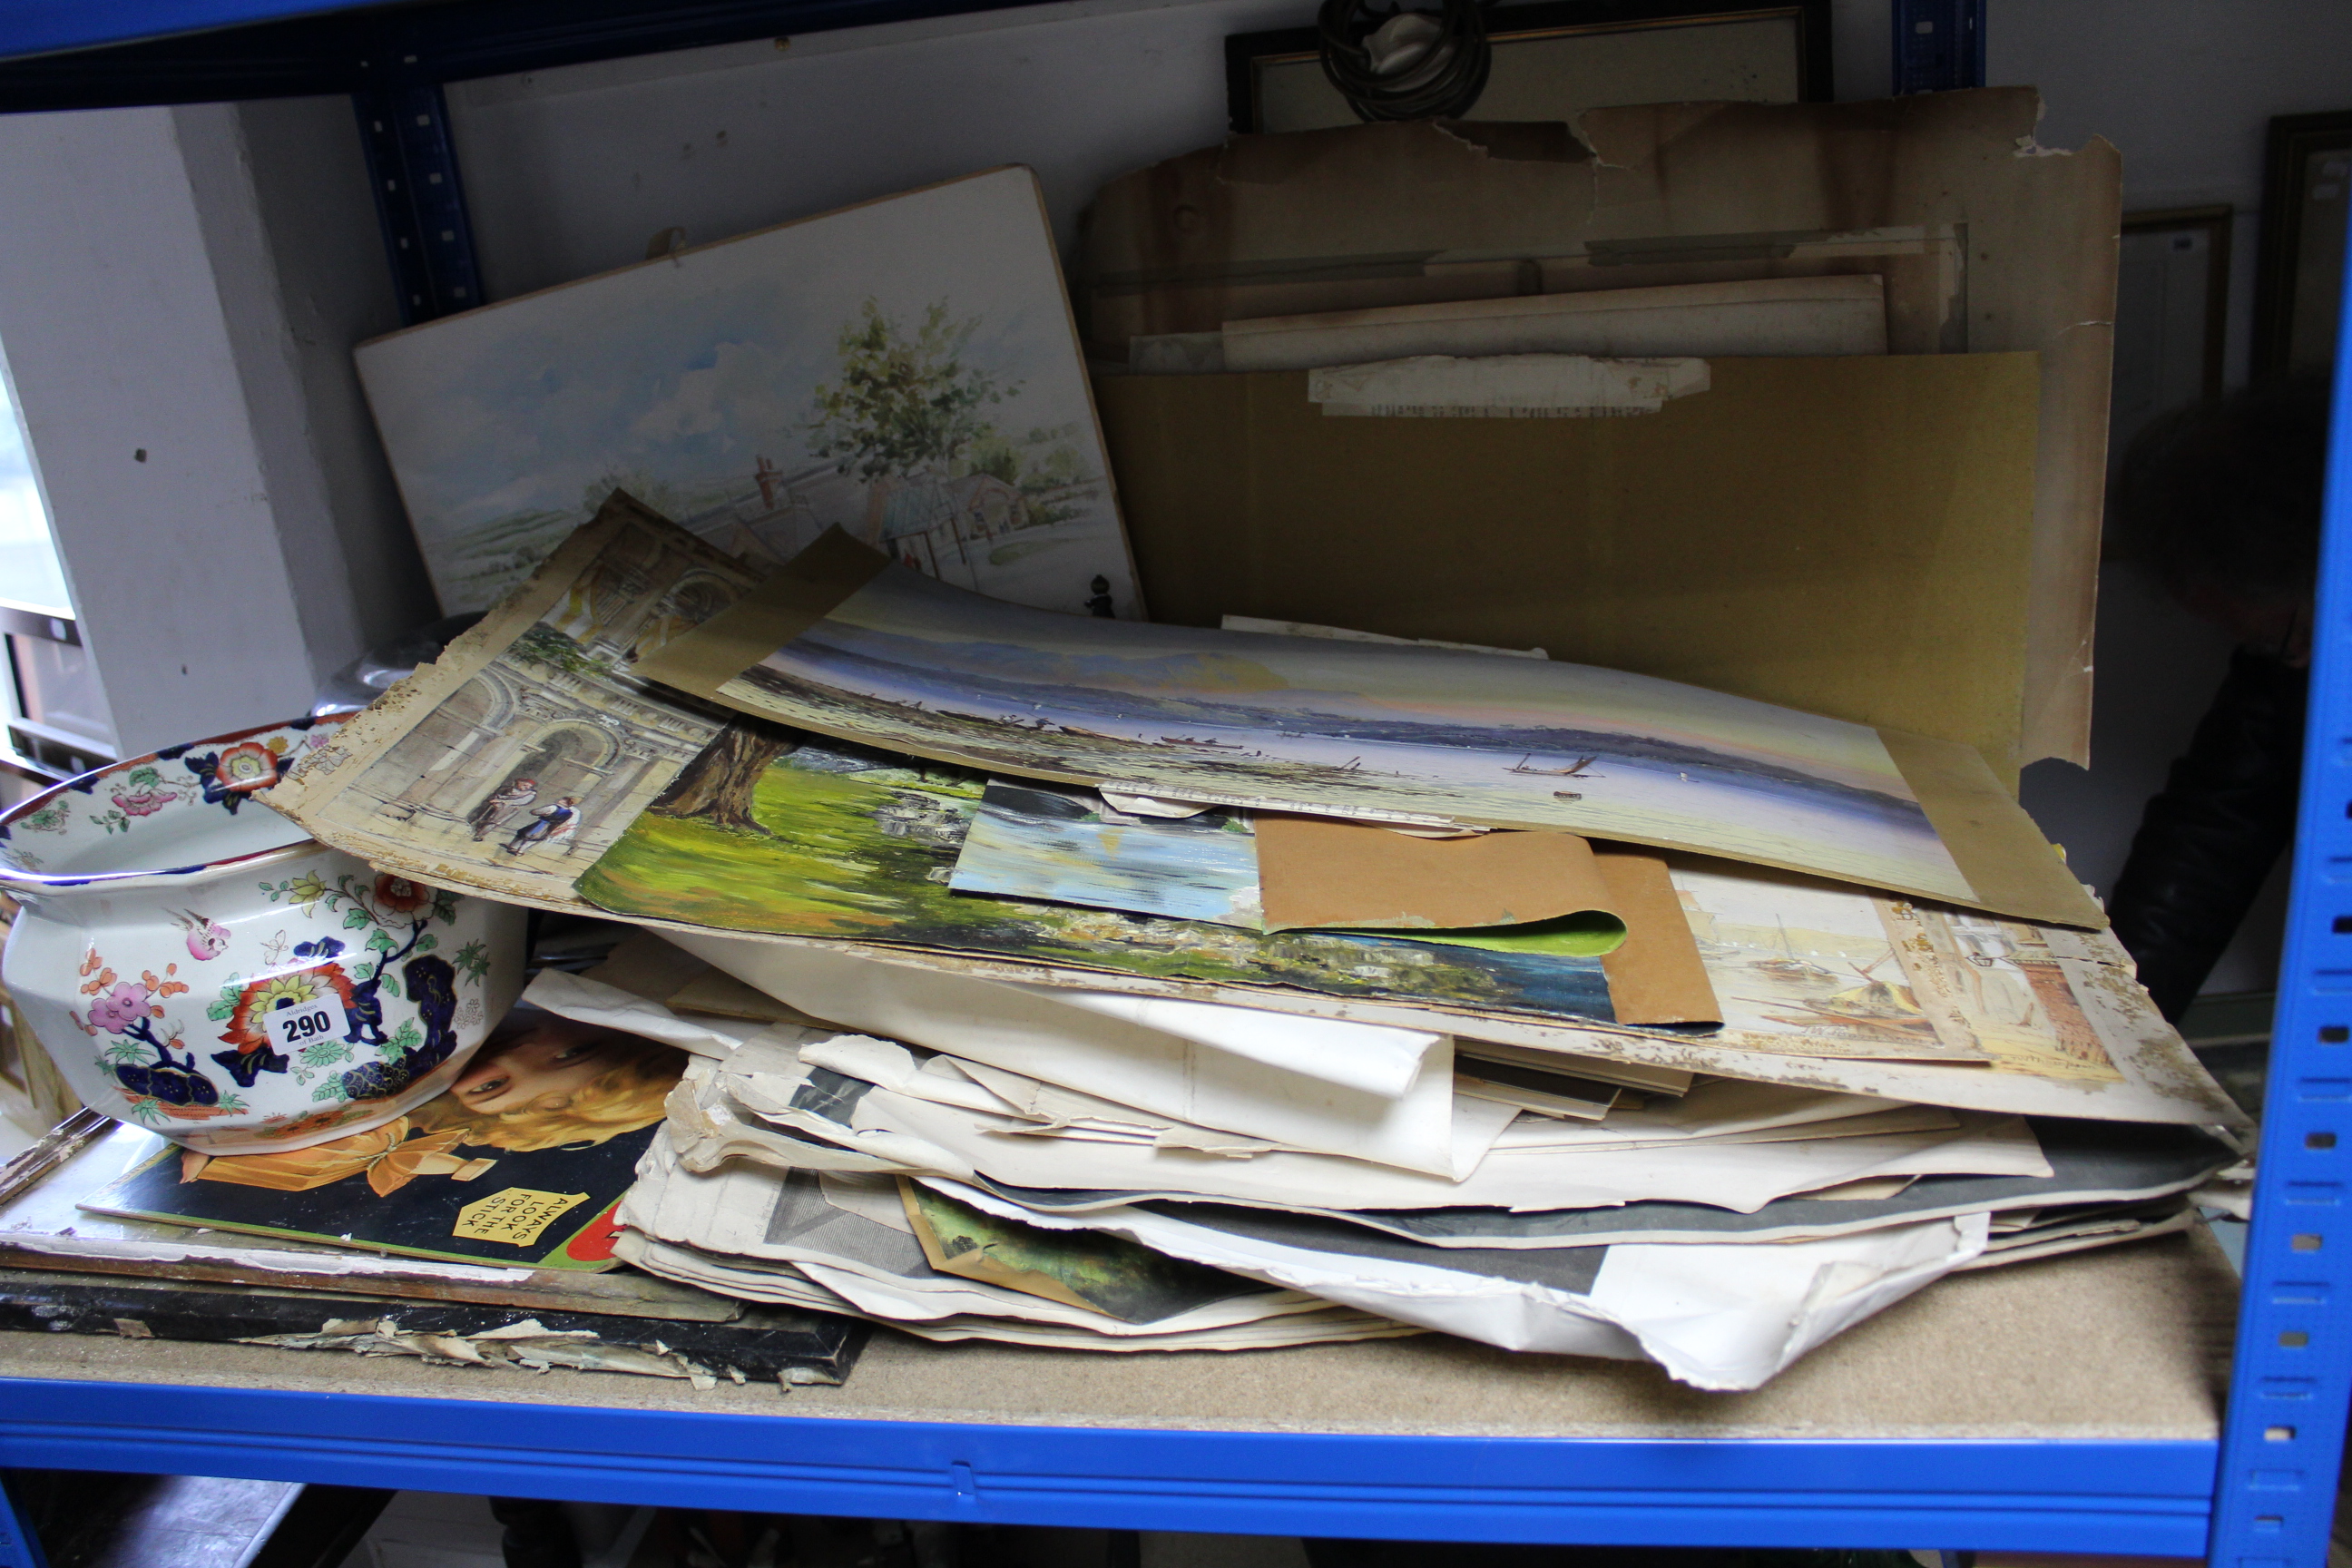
(1655, 976)
(1316, 871)
(1986, 242)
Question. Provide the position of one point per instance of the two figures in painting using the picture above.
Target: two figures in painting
(502, 775)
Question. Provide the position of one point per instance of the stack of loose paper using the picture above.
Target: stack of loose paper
(1147, 987)
(1060, 1167)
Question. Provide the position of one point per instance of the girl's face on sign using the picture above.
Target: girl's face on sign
(547, 1062)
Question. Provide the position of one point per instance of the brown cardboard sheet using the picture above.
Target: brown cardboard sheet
(771, 615)
(1850, 536)
(1997, 847)
(1655, 976)
(1316, 871)
(1987, 243)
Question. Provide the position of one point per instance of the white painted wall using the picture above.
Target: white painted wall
(571, 172)
(332, 290)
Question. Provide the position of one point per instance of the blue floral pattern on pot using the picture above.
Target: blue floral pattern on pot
(233, 1012)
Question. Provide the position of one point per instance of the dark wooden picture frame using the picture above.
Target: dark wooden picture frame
(2214, 222)
(1246, 52)
(2284, 288)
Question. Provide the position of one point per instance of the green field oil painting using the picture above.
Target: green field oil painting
(772, 830)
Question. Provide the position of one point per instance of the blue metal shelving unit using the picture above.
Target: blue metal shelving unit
(2262, 1498)
(2284, 1432)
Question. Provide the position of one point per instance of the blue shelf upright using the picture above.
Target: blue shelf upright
(2285, 1435)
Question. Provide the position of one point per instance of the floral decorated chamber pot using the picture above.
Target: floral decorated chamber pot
(196, 964)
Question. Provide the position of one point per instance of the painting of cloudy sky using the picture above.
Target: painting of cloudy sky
(906, 370)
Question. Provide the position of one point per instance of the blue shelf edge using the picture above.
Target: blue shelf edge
(2149, 1498)
(2284, 1438)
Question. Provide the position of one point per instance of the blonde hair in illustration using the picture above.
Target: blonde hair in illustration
(626, 1096)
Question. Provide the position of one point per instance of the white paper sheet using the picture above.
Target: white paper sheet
(717, 1115)
(593, 1002)
(1198, 1063)
(1718, 1317)
(866, 1251)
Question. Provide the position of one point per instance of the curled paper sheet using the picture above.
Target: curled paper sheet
(1367, 1058)
(829, 1289)
(587, 1001)
(774, 1114)
(761, 1234)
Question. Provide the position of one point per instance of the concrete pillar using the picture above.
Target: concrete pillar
(177, 319)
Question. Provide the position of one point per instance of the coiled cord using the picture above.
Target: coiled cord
(1442, 79)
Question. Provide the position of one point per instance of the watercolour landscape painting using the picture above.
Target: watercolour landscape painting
(1070, 846)
(906, 370)
(1379, 730)
(803, 836)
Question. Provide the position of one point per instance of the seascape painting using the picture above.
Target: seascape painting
(1070, 846)
(1370, 730)
(773, 831)
(905, 370)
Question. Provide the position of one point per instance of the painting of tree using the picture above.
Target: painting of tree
(718, 786)
(902, 402)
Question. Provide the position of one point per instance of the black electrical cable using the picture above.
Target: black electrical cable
(1444, 82)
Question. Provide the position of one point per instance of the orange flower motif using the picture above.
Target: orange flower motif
(248, 1030)
(400, 895)
(246, 767)
(92, 987)
(163, 987)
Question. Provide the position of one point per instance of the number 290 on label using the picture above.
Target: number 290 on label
(304, 1023)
